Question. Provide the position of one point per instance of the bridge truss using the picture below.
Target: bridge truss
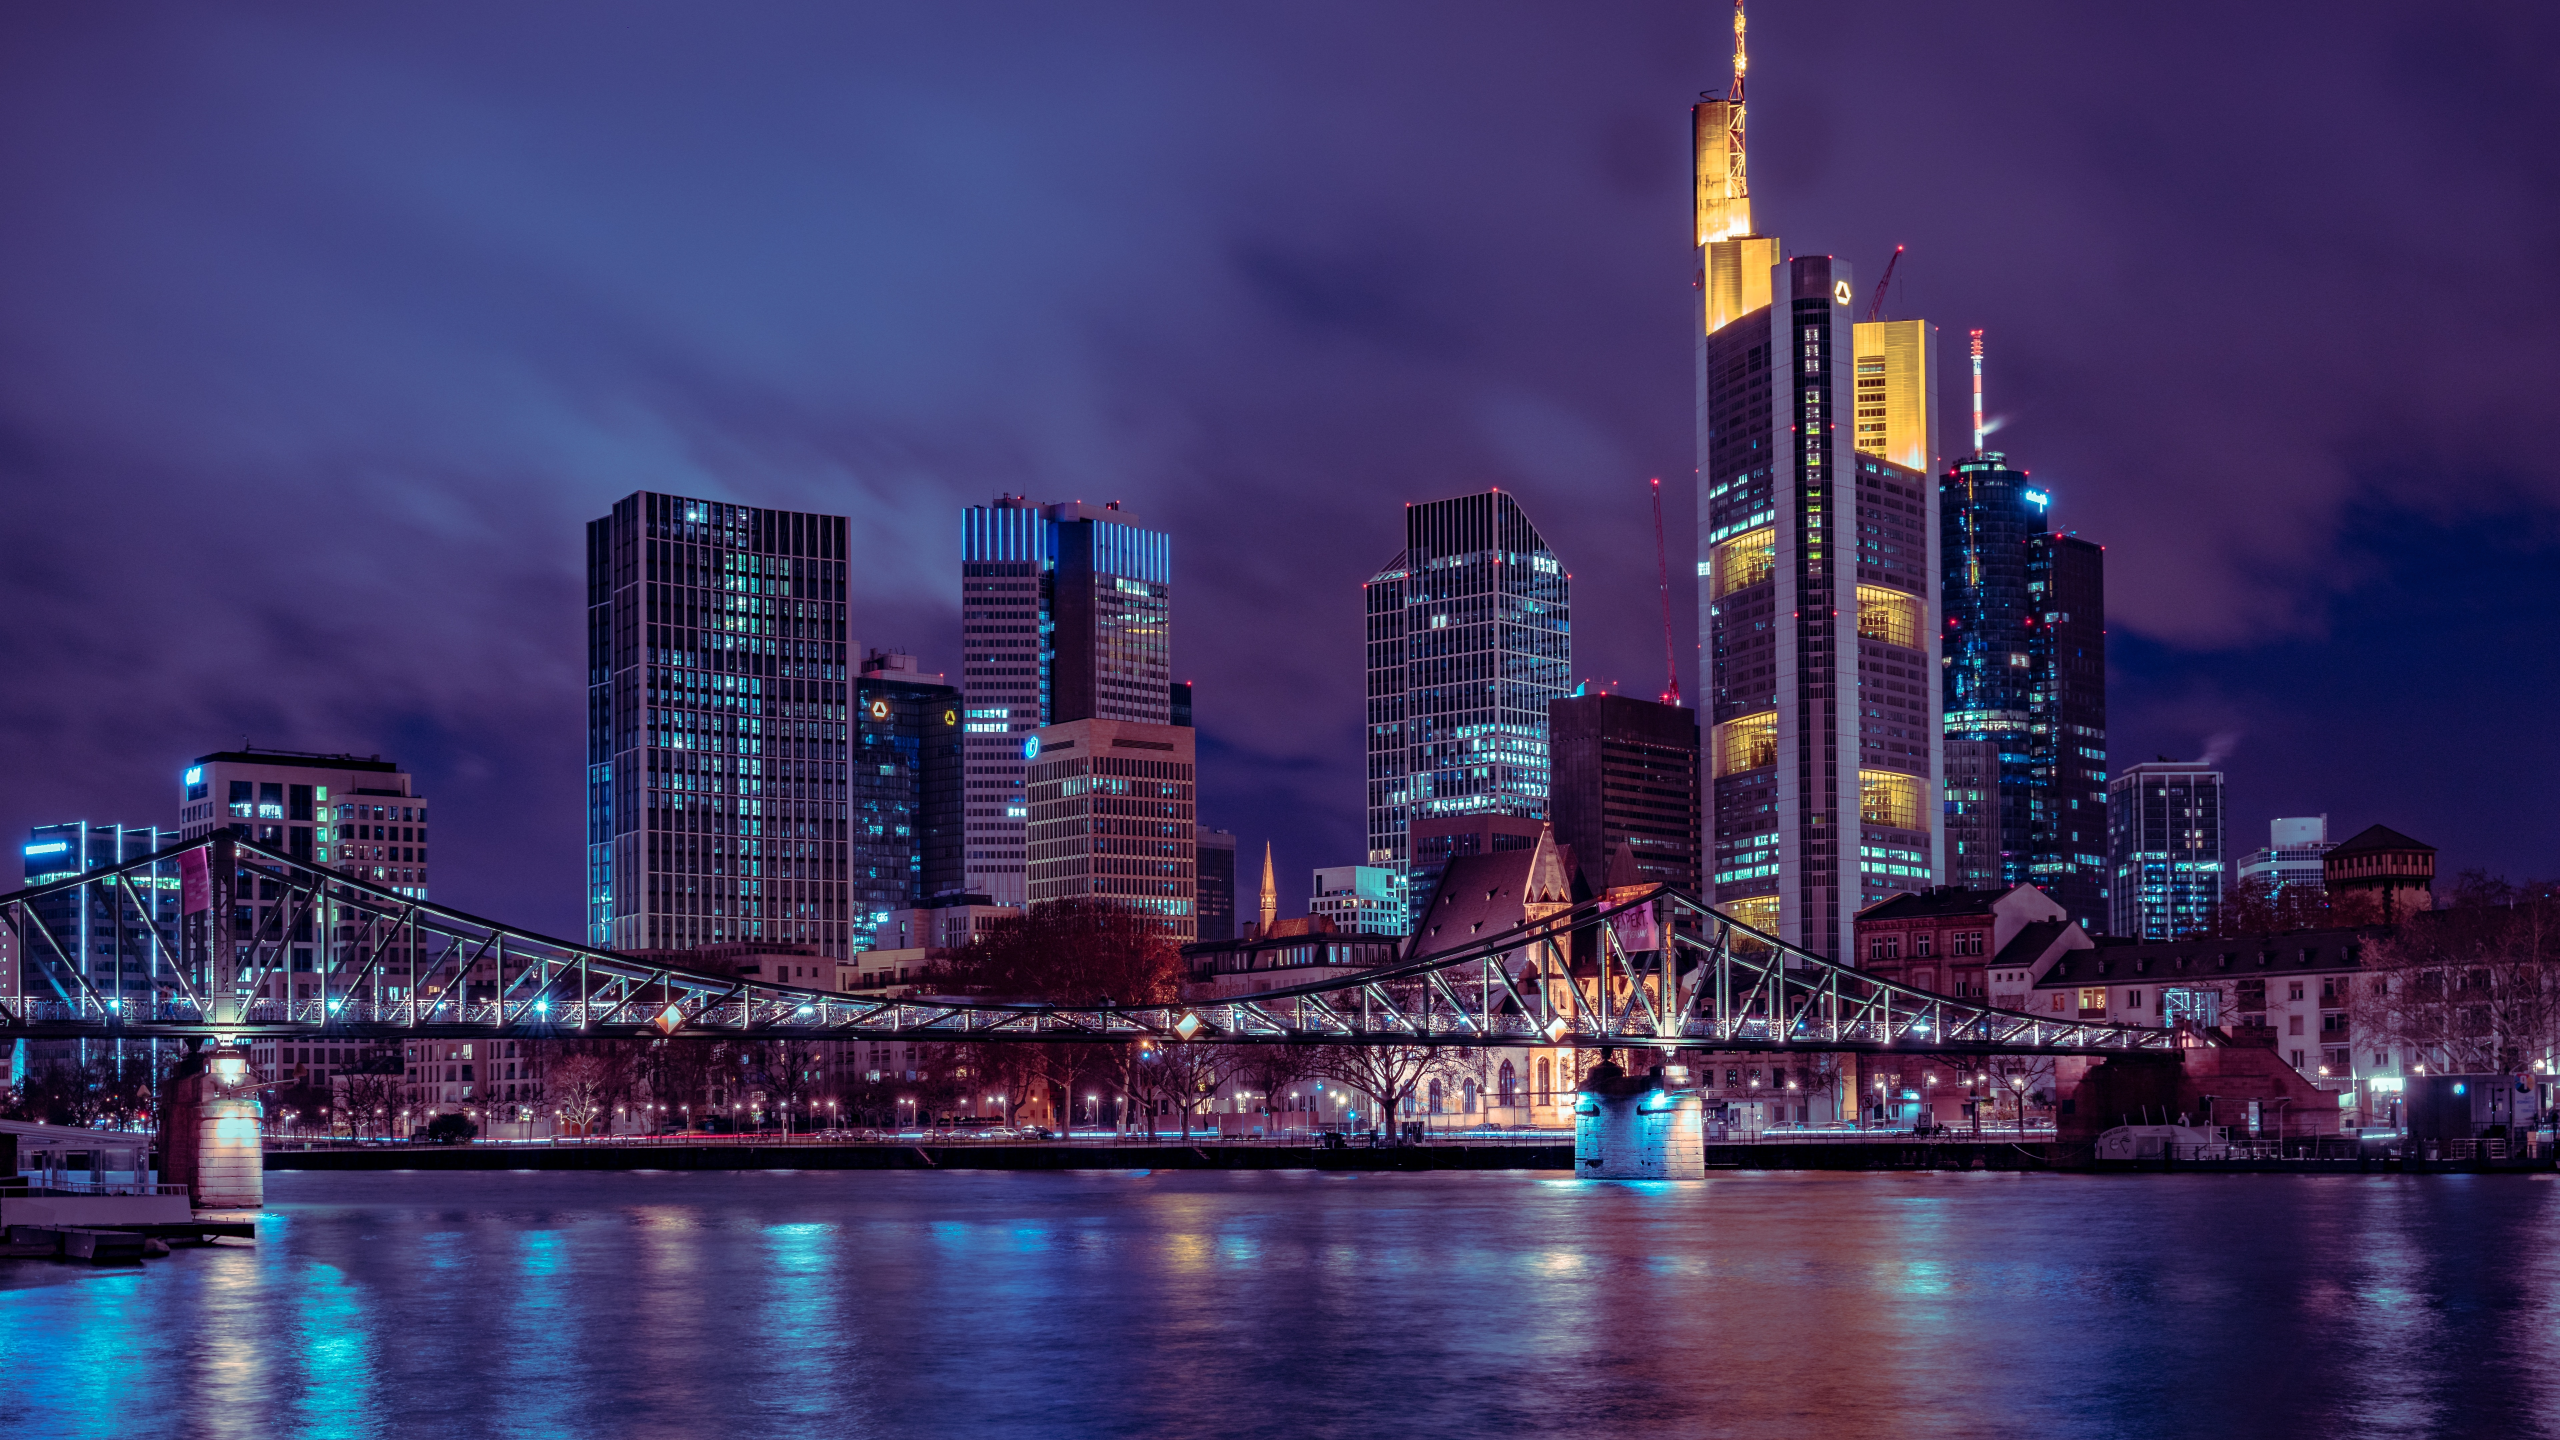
(263, 944)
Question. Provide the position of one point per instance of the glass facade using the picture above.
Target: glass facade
(718, 727)
(1066, 614)
(2165, 837)
(905, 795)
(1469, 637)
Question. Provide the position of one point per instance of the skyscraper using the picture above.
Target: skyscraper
(1066, 614)
(1816, 557)
(1214, 872)
(1626, 779)
(2067, 722)
(1113, 817)
(717, 727)
(1469, 636)
(359, 814)
(1988, 512)
(906, 842)
(2164, 834)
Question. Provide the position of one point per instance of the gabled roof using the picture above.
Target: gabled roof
(1482, 895)
(2379, 837)
(2030, 943)
(1938, 901)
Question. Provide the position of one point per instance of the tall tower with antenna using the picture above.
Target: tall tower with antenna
(1977, 392)
(1733, 260)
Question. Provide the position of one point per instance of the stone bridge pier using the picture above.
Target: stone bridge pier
(1629, 1127)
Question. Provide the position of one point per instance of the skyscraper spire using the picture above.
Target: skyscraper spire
(1270, 891)
(1977, 392)
(1724, 176)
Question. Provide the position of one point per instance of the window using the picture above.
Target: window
(2293, 991)
(2293, 1026)
(1888, 616)
(2093, 1000)
(1747, 744)
(1922, 946)
(2133, 999)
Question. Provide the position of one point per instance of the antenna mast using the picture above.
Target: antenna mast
(1662, 563)
(1737, 169)
(1977, 392)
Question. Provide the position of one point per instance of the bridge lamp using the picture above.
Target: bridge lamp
(230, 1067)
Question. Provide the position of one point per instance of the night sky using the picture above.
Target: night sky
(325, 329)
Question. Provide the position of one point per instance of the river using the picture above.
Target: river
(1175, 1304)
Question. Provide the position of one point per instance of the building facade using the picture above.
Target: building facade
(1627, 779)
(1363, 898)
(2398, 872)
(2291, 860)
(1066, 614)
(358, 814)
(718, 727)
(1113, 818)
(1469, 637)
(1818, 612)
(2165, 849)
(1214, 879)
(905, 841)
(2067, 723)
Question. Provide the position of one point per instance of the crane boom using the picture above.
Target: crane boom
(1875, 302)
(1662, 563)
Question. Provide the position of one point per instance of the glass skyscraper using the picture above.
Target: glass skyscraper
(1469, 637)
(2164, 843)
(1066, 614)
(906, 843)
(2025, 691)
(717, 727)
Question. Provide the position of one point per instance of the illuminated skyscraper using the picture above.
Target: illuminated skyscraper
(1817, 570)
(1066, 614)
(1470, 635)
(2164, 827)
(717, 719)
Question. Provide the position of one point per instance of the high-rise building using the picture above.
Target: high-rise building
(1361, 898)
(359, 814)
(2024, 691)
(2067, 723)
(1822, 648)
(2164, 846)
(1113, 818)
(1470, 635)
(718, 724)
(1215, 875)
(1626, 779)
(2291, 860)
(1066, 614)
(1817, 528)
(906, 843)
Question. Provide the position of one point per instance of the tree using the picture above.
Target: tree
(2259, 907)
(2472, 987)
(580, 1087)
(1075, 952)
(369, 1096)
(1387, 1074)
(1272, 1071)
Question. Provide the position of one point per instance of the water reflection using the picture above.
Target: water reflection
(1176, 1304)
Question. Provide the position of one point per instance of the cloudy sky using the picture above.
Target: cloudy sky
(324, 329)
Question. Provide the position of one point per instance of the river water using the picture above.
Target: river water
(1295, 1304)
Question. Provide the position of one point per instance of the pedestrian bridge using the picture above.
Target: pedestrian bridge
(260, 944)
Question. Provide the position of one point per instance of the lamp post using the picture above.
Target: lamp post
(2018, 1084)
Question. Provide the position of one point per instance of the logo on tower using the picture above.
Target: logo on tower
(1840, 293)
(1030, 747)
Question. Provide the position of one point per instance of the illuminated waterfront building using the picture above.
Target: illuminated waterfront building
(2164, 833)
(1816, 561)
(718, 718)
(1469, 637)
(1113, 817)
(1066, 614)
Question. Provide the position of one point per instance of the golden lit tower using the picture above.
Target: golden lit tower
(1817, 530)
(1270, 910)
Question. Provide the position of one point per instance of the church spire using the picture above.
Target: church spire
(1270, 891)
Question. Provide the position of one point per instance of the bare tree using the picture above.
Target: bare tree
(2474, 987)
(1386, 1074)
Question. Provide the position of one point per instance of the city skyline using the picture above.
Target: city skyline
(308, 532)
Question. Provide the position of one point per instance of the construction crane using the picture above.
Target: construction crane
(1875, 302)
(1662, 563)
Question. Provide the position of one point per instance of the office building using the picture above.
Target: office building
(718, 727)
(1178, 703)
(2067, 723)
(358, 814)
(1816, 558)
(2024, 691)
(1469, 636)
(2291, 860)
(905, 834)
(113, 953)
(2164, 846)
(1066, 614)
(1626, 780)
(1214, 878)
(1358, 898)
(1113, 818)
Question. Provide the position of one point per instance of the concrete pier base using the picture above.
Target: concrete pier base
(209, 1139)
(1625, 1133)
